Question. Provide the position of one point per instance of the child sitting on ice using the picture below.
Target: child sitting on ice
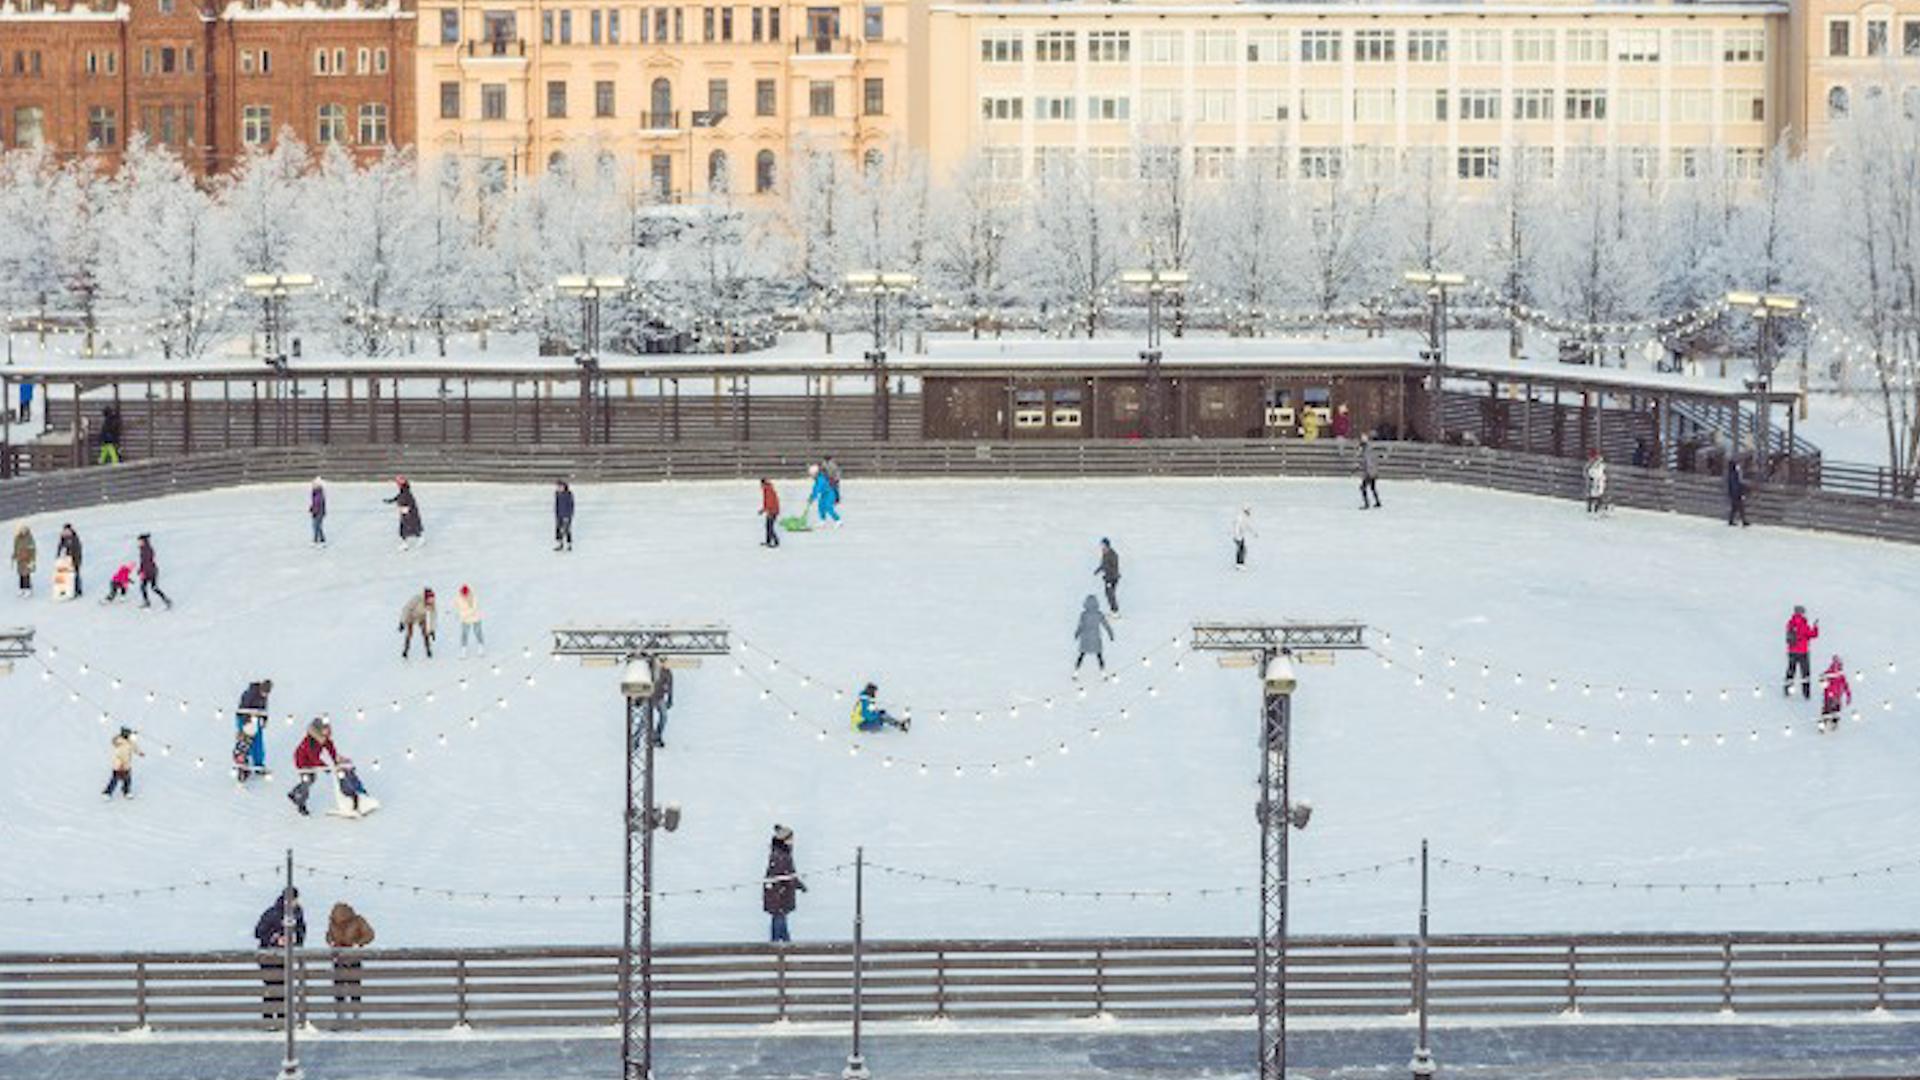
(869, 716)
(121, 582)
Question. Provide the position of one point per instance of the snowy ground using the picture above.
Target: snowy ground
(964, 595)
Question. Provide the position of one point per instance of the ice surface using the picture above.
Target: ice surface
(964, 594)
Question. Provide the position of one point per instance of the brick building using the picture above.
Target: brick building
(205, 78)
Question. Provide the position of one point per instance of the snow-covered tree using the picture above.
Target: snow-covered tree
(1340, 232)
(32, 268)
(819, 227)
(1072, 248)
(972, 226)
(370, 249)
(166, 256)
(1242, 255)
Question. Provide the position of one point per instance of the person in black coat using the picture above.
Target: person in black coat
(70, 547)
(410, 525)
(150, 574)
(778, 892)
(271, 933)
(562, 516)
(1736, 493)
(110, 436)
(1109, 573)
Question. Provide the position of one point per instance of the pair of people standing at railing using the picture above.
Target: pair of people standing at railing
(347, 930)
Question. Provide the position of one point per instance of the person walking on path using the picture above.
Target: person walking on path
(1087, 634)
(467, 607)
(1109, 572)
(1800, 635)
(779, 888)
(270, 931)
(150, 574)
(126, 747)
(347, 930)
(110, 436)
(1736, 492)
(1596, 482)
(1835, 694)
(1242, 532)
(25, 555)
(411, 528)
(419, 612)
(1369, 474)
(317, 510)
(770, 511)
(69, 546)
(562, 516)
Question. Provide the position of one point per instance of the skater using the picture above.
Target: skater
(562, 516)
(1736, 492)
(69, 546)
(126, 747)
(1109, 572)
(770, 510)
(418, 612)
(1800, 635)
(778, 891)
(317, 510)
(110, 436)
(868, 716)
(150, 574)
(832, 469)
(270, 931)
(119, 584)
(467, 607)
(311, 758)
(411, 529)
(1242, 531)
(1369, 474)
(824, 495)
(1835, 694)
(662, 703)
(250, 731)
(26, 402)
(1088, 633)
(1342, 423)
(1596, 482)
(347, 930)
(25, 552)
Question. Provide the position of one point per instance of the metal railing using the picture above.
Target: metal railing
(823, 45)
(653, 120)
(501, 47)
(1174, 977)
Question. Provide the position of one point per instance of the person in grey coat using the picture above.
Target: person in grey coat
(1088, 633)
(1369, 474)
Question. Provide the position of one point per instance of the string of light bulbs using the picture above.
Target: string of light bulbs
(1049, 892)
(102, 896)
(1623, 885)
(491, 896)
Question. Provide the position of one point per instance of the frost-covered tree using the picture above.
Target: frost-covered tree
(32, 274)
(1510, 246)
(1242, 253)
(972, 232)
(1600, 271)
(166, 255)
(370, 248)
(1340, 231)
(819, 227)
(1165, 212)
(263, 205)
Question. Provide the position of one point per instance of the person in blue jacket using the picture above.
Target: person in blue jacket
(825, 494)
(869, 716)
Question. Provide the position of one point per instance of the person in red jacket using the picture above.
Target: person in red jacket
(1835, 695)
(1800, 635)
(770, 510)
(310, 757)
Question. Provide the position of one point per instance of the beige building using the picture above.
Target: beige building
(687, 97)
(1845, 53)
(1316, 89)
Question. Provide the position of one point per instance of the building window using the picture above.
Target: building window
(103, 127)
(1319, 47)
(718, 99)
(1052, 108)
(659, 105)
(875, 97)
(1586, 105)
(1320, 106)
(1637, 46)
(719, 174)
(1373, 46)
(449, 101)
(1686, 163)
(820, 97)
(362, 61)
(546, 26)
(1586, 46)
(766, 99)
(1749, 163)
(449, 26)
(1002, 108)
(332, 125)
(1427, 46)
(247, 63)
(1213, 163)
(757, 19)
(1839, 38)
(661, 171)
(169, 60)
(1744, 46)
(763, 172)
(1003, 49)
(1266, 46)
(556, 99)
(1878, 31)
(873, 23)
(1533, 46)
(726, 24)
(1691, 106)
(613, 26)
(1745, 107)
(373, 124)
(1374, 105)
(1537, 162)
(256, 125)
(1321, 163)
(1480, 46)
(1533, 104)
(1479, 104)
(1109, 47)
(566, 27)
(1213, 46)
(1478, 163)
(499, 28)
(340, 61)
(322, 62)
(1109, 108)
(603, 98)
(708, 28)
(1638, 106)
(1909, 37)
(593, 26)
(379, 61)
(1427, 106)
(1839, 103)
(1692, 46)
(1049, 46)
(1162, 47)
(493, 101)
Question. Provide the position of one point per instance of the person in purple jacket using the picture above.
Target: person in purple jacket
(317, 510)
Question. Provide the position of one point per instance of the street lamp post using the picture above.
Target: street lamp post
(1765, 308)
(880, 285)
(273, 291)
(1156, 283)
(588, 289)
(1436, 283)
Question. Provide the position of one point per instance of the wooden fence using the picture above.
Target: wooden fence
(1161, 978)
(1648, 489)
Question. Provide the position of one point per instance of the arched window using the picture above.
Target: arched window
(719, 176)
(660, 104)
(763, 172)
(1839, 103)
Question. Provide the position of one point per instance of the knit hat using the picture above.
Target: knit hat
(127, 732)
(783, 834)
(428, 594)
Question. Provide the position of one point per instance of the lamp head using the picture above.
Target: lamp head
(1279, 678)
(637, 681)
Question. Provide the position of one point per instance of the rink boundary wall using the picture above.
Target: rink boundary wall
(1667, 974)
(1528, 474)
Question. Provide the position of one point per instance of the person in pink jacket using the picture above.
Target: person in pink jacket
(1835, 695)
(1800, 635)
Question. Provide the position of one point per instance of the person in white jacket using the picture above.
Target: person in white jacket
(467, 606)
(1596, 482)
(1242, 531)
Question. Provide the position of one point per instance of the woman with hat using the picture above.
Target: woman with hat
(778, 891)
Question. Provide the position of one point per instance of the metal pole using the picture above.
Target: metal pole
(1423, 1064)
(290, 1065)
(856, 1064)
(1270, 984)
(1760, 405)
(1436, 298)
(636, 963)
